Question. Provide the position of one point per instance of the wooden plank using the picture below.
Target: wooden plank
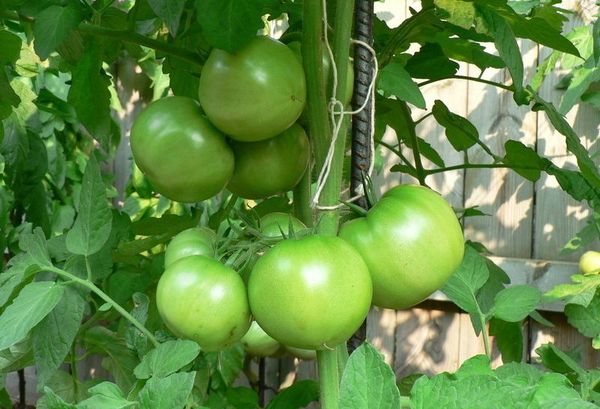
(381, 331)
(558, 216)
(500, 192)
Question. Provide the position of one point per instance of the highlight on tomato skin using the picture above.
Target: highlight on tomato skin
(412, 242)
(254, 94)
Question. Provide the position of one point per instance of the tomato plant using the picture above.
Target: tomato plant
(411, 241)
(203, 300)
(184, 157)
(254, 94)
(310, 293)
(197, 241)
(258, 343)
(271, 166)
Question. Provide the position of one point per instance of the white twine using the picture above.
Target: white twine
(336, 116)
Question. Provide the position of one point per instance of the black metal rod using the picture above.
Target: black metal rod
(361, 122)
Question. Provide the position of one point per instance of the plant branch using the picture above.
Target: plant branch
(486, 336)
(92, 287)
(465, 77)
(327, 362)
(477, 166)
(398, 152)
(302, 196)
(412, 136)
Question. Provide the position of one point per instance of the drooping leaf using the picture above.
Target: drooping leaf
(11, 47)
(35, 246)
(515, 303)
(53, 25)
(34, 302)
(170, 392)
(395, 81)
(461, 133)
(430, 62)
(170, 11)
(167, 358)
(524, 160)
(508, 337)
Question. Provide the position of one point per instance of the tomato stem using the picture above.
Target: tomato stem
(106, 298)
(302, 196)
(328, 377)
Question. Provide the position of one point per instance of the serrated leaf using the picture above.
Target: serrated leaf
(34, 302)
(167, 358)
(229, 24)
(106, 395)
(35, 246)
(508, 337)
(395, 81)
(580, 82)
(169, 11)
(581, 292)
(19, 268)
(467, 280)
(461, 133)
(171, 392)
(515, 303)
(460, 13)
(93, 224)
(53, 25)
(89, 95)
(558, 361)
(297, 396)
(227, 362)
(368, 382)
(585, 319)
(430, 62)
(54, 335)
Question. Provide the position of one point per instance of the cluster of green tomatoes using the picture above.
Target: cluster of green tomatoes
(308, 293)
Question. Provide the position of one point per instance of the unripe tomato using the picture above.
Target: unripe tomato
(254, 94)
(589, 263)
(310, 293)
(184, 157)
(273, 224)
(205, 301)
(411, 241)
(266, 168)
(197, 241)
(305, 354)
(258, 343)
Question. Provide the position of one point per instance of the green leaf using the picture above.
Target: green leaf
(585, 319)
(93, 224)
(242, 398)
(35, 246)
(558, 361)
(167, 358)
(171, 392)
(368, 382)
(227, 363)
(19, 268)
(395, 81)
(169, 11)
(34, 302)
(509, 339)
(54, 335)
(106, 395)
(8, 97)
(582, 78)
(467, 280)
(461, 49)
(297, 396)
(52, 401)
(53, 25)
(90, 96)
(518, 155)
(460, 13)
(168, 223)
(508, 49)
(461, 133)
(586, 164)
(11, 47)
(581, 292)
(229, 24)
(430, 62)
(515, 303)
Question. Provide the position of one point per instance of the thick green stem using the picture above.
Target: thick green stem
(414, 140)
(486, 337)
(302, 198)
(328, 377)
(92, 287)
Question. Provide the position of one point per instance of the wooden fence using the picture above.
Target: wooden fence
(528, 225)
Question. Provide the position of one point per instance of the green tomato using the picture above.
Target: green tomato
(589, 263)
(304, 354)
(411, 241)
(273, 224)
(310, 293)
(258, 343)
(184, 157)
(269, 167)
(203, 300)
(197, 241)
(254, 94)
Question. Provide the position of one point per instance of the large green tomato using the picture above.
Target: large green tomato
(254, 94)
(197, 241)
(412, 242)
(184, 157)
(203, 300)
(273, 224)
(310, 293)
(266, 168)
(258, 343)
(589, 263)
(304, 354)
